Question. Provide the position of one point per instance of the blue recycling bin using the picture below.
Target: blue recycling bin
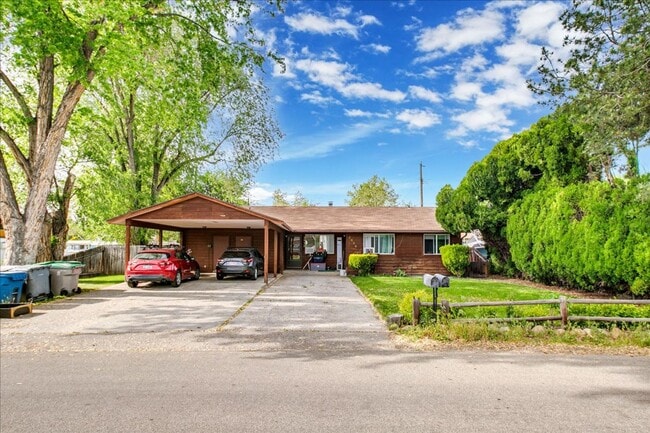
(11, 286)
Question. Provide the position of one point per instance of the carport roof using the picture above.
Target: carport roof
(196, 211)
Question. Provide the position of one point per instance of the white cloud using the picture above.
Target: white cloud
(331, 74)
(355, 112)
(259, 193)
(315, 23)
(520, 53)
(502, 73)
(470, 28)
(515, 95)
(486, 118)
(534, 22)
(319, 145)
(418, 119)
(468, 144)
(420, 92)
(377, 48)
(464, 91)
(317, 98)
(367, 20)
(372, 91)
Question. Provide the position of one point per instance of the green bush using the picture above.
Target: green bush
(455, 258)
(364, 264)
(406, 303)
(589, 236)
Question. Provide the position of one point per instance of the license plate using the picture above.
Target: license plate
(147, 267)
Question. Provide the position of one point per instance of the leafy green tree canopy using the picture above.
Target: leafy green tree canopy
(375, 192)
(605, 81)
(54, 51)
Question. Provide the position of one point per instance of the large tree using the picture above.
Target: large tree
(551, 151)
(375, 192)
(605, 79)
(54, 51)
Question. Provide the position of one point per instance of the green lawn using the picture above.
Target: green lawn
(386, 292)
(92, 283)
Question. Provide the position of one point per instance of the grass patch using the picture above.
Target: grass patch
(98, 282)
(386, 292)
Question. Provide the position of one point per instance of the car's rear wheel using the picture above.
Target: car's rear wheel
(177, 279)
(132, 283)
(254, 276)
(219, 277)
(197, 273)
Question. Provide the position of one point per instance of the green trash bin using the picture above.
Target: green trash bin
(64, 277)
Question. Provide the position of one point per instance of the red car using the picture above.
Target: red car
(162, 265)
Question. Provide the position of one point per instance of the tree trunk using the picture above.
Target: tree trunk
(60, 225)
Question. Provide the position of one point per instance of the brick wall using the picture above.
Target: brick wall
(409, 255)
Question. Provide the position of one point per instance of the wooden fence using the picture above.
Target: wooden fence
(562, 301)
(103, 260)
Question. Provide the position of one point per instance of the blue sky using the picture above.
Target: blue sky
(376, 87)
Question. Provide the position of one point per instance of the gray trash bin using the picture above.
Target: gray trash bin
(64, 277)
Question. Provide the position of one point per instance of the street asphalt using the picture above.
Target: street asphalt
(306, 353)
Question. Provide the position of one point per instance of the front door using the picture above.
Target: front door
(219, 245)
(294, 252)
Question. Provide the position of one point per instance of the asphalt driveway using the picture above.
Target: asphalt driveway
(300, 310)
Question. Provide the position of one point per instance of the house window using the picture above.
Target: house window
(313, 242)
(432, 243)
(379, 243)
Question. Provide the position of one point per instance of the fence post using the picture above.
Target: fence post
(564, 311)
(446, 308)
(416, 311)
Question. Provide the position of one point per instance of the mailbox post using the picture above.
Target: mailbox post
(435, 281)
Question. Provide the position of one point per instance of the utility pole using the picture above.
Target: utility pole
(421, 186)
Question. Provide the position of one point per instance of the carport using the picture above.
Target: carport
(207, 226)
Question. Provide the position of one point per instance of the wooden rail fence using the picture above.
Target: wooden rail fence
(563, 302)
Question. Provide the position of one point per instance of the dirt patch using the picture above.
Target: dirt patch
(429, 345)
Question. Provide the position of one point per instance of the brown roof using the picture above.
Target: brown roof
(343, 219)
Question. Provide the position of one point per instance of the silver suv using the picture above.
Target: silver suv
(245, 262)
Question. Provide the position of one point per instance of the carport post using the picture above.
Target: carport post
(266, 251)
(127, 244)
(275, 253)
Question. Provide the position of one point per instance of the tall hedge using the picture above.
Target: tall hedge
(587, 235)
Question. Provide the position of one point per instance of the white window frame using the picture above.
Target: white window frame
(436, 244)
(371, 242)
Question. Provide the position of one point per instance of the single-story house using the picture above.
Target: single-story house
(406, 238)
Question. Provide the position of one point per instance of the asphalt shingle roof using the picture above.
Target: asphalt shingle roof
(343, 219)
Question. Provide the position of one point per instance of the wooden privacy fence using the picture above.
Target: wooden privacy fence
(103, 260)
(563, 302)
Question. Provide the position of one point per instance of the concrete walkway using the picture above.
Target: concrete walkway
(298, 311)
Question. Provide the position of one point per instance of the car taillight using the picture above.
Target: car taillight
(249, 260)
